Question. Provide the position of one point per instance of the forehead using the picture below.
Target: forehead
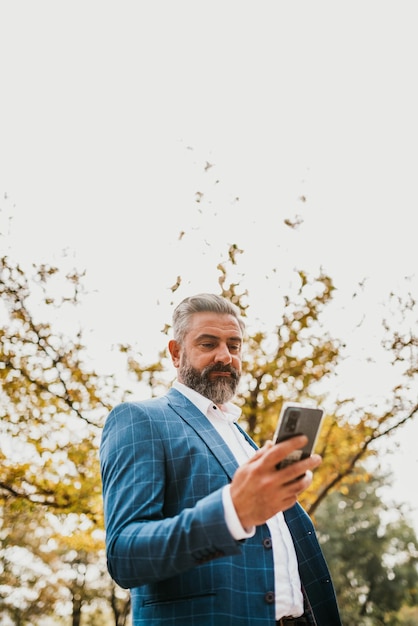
(216, 324)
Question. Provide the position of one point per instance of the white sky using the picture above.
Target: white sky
(109, 112)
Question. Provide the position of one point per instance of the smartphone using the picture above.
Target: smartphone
(296, 419)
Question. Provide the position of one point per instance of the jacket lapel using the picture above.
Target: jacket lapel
(247, 437)
(204, 429)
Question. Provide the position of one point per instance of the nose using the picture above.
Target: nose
(223, 355)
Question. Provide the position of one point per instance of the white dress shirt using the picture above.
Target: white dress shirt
(288, 593)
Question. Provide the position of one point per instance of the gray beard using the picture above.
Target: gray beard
(219, 390)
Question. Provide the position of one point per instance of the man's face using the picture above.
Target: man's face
(209, 360)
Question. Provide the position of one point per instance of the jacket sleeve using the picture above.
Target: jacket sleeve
(158, 523)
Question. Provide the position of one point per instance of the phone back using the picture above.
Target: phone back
(296, 419)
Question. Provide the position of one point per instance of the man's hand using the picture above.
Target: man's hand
(259, 490)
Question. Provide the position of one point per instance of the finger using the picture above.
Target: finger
(300, 470)
(261, 451)
(281, 450)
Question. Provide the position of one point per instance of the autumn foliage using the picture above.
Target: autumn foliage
(53, 404)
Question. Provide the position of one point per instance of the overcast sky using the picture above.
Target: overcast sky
(138, 140)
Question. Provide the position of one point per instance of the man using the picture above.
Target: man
(200, 524)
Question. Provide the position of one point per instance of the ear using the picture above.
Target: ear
(175, 352)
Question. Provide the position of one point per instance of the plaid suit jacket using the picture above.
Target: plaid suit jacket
(163, 469)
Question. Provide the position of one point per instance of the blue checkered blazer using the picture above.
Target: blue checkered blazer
(163, 469)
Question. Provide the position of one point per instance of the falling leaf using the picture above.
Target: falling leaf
(295, 223)
(176, 285)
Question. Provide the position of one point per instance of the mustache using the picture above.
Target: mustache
(221, 367)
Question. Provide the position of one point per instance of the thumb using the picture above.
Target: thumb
(261, 451)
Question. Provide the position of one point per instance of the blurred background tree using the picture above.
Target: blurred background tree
(54, 404)
(373, 550)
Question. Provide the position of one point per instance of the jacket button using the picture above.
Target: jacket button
(267, 543)
(269, 597)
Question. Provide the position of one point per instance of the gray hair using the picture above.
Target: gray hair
(201, 303)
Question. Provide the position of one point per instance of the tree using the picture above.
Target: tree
(55, 403)
(51, 414)
(372, 553)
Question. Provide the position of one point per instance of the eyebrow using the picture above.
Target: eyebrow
(216, 337)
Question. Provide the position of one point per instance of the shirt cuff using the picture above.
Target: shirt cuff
(231, 518)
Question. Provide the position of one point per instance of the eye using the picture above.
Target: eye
(208, 345)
